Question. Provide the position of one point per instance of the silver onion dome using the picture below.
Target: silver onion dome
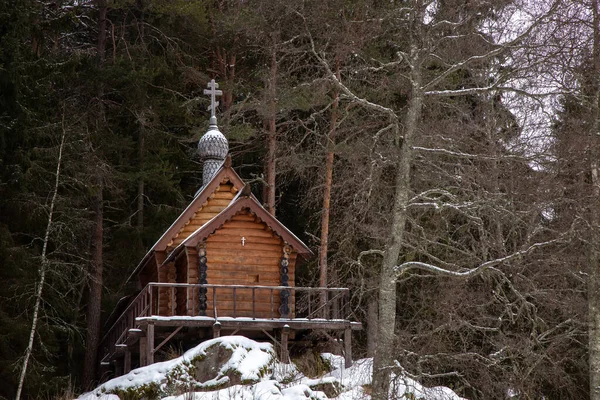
(212, 149)
(213, 144)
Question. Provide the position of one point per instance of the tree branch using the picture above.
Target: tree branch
(410, 265)
(366, 103)
(497, 51)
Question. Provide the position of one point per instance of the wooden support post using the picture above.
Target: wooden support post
(127, 361)
(285, 352)
(217, 329)
(348, 347)
(118, 369)
(143, 345)
(150, 344)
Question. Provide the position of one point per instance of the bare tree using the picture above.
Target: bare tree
(43, 269)
(428, 38)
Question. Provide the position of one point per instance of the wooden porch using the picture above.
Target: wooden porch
(161, 310)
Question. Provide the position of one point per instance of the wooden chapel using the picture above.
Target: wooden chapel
(225, 265)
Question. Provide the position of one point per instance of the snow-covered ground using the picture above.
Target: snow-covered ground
(235, 367)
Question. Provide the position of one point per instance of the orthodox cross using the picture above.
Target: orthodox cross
(213, 92)
(243, 241)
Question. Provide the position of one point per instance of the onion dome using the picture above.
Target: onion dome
(212, 149)
(213, 144)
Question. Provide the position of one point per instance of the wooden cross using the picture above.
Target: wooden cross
(213, 92)
(243, 241)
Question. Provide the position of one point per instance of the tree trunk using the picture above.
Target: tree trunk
(383, 360)
(42, 271)
(327, 192)
(96, 282)
(140, 191)
(271, 134)
(101, 42)
(226, 68)
(594, 276)
(95, 294)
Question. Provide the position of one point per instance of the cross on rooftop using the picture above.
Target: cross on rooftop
(213, 92)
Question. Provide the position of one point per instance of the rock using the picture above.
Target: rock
(330, 388)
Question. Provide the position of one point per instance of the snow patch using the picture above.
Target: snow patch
(261, 376)
(249, 359)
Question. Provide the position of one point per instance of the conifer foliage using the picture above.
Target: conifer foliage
(454, 155)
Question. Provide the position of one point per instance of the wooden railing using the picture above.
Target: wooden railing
(117, 334)
(216, 301)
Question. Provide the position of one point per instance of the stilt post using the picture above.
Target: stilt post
(150, 344)
(127, 361)
(118, 369)
(348, 347)
(217, 329)
(143, 346)
(285, 352)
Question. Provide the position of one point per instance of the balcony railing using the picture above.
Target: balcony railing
(215, 301)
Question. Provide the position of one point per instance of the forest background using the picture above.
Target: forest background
(439, 156)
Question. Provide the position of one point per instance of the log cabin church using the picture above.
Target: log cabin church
(225, 266)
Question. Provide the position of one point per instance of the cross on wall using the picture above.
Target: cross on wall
(243, 241)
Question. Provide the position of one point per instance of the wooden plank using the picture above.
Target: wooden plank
(167, 338)
(233, 224)
(259, 324)
(245, 276)
(234, 281)
(244, 216)
(245, 252)
(229, 237)
(193, 227)
(225, 308)
(270, 271)
(213, 209)
(219, 202)
(224, 258)
(203, 214)
(243, 266)
(237, 245)
(247, 232)
(222, 194)
(248, 314)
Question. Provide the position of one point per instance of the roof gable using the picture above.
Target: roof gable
(236, 206)
(176, 233)
(225, 174)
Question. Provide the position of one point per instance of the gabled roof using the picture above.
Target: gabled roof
(225, 172)
(239, 203)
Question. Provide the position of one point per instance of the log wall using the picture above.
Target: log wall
(255, 262)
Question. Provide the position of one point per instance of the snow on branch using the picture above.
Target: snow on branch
(467, 155)
(410, 265)
(492, 53)
(346, 91)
